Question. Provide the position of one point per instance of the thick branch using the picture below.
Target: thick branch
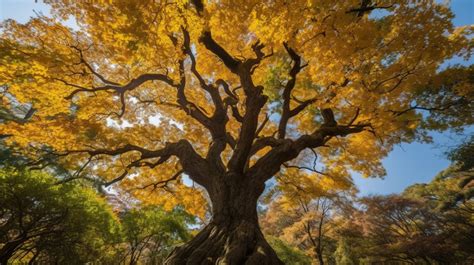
(301, 107)
(199, 6)
(254, 103)
(232, 100)
(286, 149)
(255, 99)
(218, 50)
(263, 142)
(286, 112)
(192, 163)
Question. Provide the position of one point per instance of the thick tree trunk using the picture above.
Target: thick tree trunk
(233, 236)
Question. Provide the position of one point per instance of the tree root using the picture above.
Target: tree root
(226, 244)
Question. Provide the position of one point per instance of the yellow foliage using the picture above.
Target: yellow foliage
(363, 67)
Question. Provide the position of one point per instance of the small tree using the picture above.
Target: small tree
(151, 233)
(47, 223)
(302, 212)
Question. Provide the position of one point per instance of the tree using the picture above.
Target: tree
(404, 229)
(302, 212)
(151, 233)
(225, 92)
(307, 226)
(461, 155)
(47, 223)
(462, 170)
(450, 196)
(444, 199)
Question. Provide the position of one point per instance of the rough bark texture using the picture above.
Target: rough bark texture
(226, 243)
(233, 236)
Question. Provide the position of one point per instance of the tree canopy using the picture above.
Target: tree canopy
(151, 233)
(47, 223)
(44, 220)
(230, 94)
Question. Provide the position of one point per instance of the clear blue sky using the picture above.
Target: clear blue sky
(406, 164)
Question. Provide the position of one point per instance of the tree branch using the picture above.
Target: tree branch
(162, 183)
(286, 112)
(286, 149)
(192, 163)
(91, 69)
(219, 117)
(440, 108)
(134, 83)
(366, 6)
(218, 50)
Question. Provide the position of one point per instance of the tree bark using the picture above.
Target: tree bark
(319, 247)
(233, 236)
(7, 251)
(319, 254)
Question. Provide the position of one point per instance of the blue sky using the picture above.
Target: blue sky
(406, 164)
(417, 162)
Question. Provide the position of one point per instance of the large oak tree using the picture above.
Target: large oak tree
(229, 94)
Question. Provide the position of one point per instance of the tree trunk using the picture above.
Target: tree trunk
(319, 254)
(4, 259)
(233, 236)
(7, 251)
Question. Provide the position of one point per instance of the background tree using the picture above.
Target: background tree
(151, 233)
(227, 93)
(303, 212)
(402, 229)
(462, 169)
(450, 196)
(429, 223)
(47, 223)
